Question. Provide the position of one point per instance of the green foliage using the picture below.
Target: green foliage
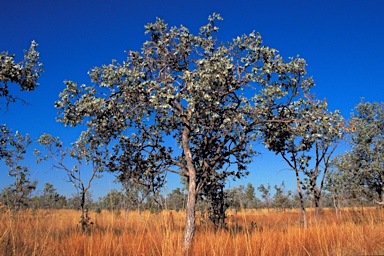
(241, 197)
(265, 194)
(24, 73)
(281, 198)
(137, 192)
(13, 146)
(113, 200)
(307, 144)
(359, 172)
(210, 97)
(17, 195)
(79, 151)
(176, 200)
(84, 153)
(50, 199)
(75, 201)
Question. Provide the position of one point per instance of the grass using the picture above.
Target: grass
(252, 232)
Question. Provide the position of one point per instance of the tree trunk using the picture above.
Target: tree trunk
(190, 221)
(382, 194)
(84, 215)
(301, 199)
(317, 196)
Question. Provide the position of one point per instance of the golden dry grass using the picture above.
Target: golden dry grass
(54, 232)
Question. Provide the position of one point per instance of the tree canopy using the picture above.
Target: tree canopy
(13, 147)
(209, 99)
(24, 74)
(360, 170)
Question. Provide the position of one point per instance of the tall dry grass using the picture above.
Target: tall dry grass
(54, 232)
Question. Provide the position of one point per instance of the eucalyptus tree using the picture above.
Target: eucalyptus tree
(237, 198)
(84, 155)
(281, 198)
(361, 170)
(265, 194)
(23, 74)
(50, 199)
(307, 144)
(186, 104)
(137, 188)
(114, 200)
(176, 199)
(251, 199)
(17, 194)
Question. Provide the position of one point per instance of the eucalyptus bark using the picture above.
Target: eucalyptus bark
(190, 222)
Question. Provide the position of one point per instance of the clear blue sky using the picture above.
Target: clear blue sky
(342, 41)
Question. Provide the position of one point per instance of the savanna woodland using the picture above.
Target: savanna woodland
(192, 105)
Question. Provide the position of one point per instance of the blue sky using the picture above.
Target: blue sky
(342, 42)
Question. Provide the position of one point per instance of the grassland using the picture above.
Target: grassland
(54, 232)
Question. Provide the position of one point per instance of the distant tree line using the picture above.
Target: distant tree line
(237, 198)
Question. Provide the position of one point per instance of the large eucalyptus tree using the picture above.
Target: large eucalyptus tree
(186, 104)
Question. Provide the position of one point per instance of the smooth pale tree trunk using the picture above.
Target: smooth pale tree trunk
(190, 221)
(304, 213)
(336, 206)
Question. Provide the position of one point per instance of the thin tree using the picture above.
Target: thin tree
(17, 195)
(307, 144)
(360, 171)
(22, 75)
(83, 155)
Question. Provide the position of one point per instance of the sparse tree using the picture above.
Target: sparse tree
(50, 198)
(176, 199)
(136, 190)
(236, 198)
(17, 195)
(265, 194)
(212, 98)
(154, 202)
(250, 196)
(13, 147)
(306, 144)
(360, 171)
(84, 154)
(76, 201)
(114, 200)
(281, 198)
(24, 74)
